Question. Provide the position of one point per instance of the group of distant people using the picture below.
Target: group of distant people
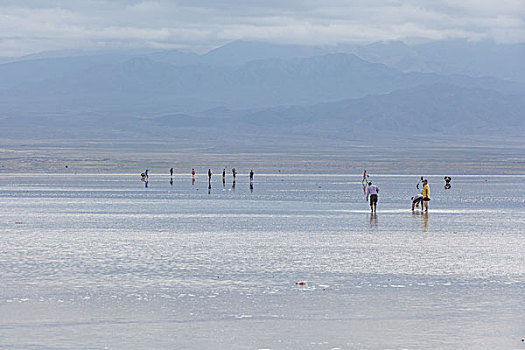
(234, 174)
(420, 199)
(145, 177)
(371, 191)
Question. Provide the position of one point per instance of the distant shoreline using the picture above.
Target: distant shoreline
(348, 159)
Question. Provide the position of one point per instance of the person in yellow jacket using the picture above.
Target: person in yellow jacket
(426, 195)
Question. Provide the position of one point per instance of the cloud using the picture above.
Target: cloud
(28, 26)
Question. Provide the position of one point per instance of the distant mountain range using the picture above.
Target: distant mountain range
(425, 110)
(449, 87)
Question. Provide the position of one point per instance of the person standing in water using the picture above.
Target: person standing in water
(416, 200)
(209, 176)
(146, 173)
(251, 175)
(234, 173)
(371, 192)
(447, 182)
(223, 175)
(426, 195)
(171, 171)
(364, 182)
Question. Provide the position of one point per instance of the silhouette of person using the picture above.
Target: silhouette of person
(447, 182)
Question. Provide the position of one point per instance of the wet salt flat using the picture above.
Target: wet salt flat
(101, 261)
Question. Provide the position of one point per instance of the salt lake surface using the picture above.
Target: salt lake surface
(102, 262)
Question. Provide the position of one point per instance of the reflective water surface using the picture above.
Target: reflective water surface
(289, 261)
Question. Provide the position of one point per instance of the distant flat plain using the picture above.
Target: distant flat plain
(280, 154)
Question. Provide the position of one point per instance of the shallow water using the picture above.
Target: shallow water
(101, 261)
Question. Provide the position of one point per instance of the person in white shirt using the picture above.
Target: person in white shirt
(371, 192)
(418, 198)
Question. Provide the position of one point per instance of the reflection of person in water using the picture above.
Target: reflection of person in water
(373, 220)
(426, 221)
(424, 216)
(447, 182)
(171, 181)
(251, 186)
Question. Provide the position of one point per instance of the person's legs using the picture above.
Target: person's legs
(373, 202)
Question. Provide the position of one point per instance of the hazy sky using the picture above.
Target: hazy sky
(28, 26)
